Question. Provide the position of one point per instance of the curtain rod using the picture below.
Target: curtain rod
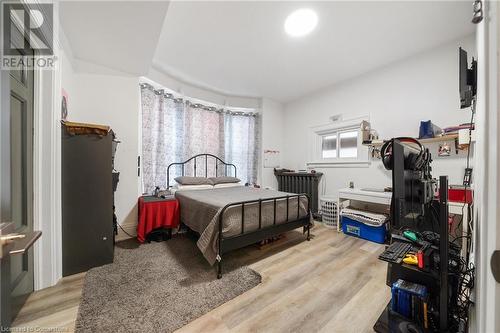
(195, 105)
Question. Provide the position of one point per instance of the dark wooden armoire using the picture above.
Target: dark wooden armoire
(87, 197)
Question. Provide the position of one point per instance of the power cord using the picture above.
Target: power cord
(464, 272)
(125, 231)
(460, 223)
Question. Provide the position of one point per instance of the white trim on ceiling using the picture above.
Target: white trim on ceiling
(163, 78)
(186, 80)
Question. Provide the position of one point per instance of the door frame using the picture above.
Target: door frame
(47, 167)
(487, 161)
(4, 105)
(46, 181)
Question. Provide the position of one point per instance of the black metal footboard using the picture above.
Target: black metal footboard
(226, 244)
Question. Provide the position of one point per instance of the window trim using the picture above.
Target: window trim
(316, 140)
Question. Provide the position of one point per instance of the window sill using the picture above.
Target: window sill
(339, 164)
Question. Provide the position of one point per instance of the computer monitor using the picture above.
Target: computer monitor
(467, 79)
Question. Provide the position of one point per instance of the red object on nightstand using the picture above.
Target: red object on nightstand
(156, 213)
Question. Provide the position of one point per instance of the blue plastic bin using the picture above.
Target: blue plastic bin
(361, 230)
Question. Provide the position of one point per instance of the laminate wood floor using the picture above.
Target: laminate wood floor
(332, 283)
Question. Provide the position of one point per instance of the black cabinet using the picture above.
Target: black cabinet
(87, 199)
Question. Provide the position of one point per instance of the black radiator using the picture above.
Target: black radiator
(300, 182)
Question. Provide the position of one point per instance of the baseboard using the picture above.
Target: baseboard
(130, 228)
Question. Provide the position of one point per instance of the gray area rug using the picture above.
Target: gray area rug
(157, 287)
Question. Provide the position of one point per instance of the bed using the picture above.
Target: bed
(228, 218)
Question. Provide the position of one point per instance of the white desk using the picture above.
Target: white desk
(456, 208)
(357, 194)
(384, 198)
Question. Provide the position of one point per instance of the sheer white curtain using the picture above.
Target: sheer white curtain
(173, 130)
(241, 145)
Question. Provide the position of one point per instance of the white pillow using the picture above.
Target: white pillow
(180, 187)
(228, 185)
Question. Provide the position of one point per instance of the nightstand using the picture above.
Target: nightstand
(155, 213)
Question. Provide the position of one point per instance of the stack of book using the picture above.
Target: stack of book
(455, 129)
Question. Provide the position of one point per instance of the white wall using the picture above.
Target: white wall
(397, 98)
(67, 73)
(115, 101)
(272, 137)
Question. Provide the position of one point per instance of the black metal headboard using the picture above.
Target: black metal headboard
(205, 158)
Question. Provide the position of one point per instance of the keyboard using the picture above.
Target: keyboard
(395, 252)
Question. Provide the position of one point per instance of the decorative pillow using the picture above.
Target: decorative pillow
(224, 180)
(185, 180)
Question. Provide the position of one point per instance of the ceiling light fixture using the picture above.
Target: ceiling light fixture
(301, 22)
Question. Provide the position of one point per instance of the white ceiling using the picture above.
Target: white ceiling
(240, 48)
(121, 35)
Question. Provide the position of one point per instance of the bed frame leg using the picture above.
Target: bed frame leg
(308, 232)
(219, 269)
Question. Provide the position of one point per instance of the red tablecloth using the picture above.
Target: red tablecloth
(156, 214)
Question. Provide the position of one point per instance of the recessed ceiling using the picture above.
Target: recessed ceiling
(241, 48)
(121, 35)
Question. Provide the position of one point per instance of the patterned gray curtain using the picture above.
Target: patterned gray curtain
(174, 130)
